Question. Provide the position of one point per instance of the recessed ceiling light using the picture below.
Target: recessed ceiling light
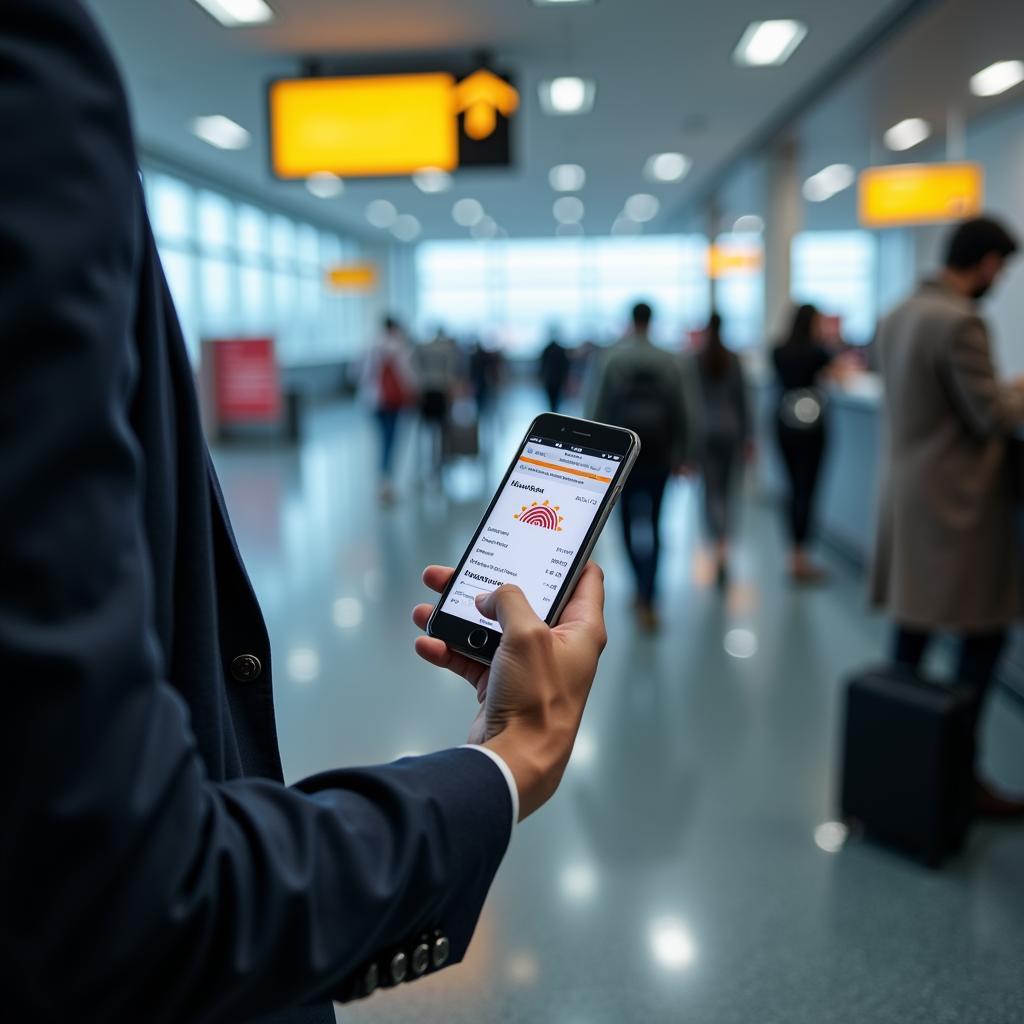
(568, 210)
(667, 167)
(749, 223)
(485, 227)
(907, 134)
(997, 78)
(221, 131)
(567, 95)
(769, 43)
(406, 228)
(232, 13)
(325, 185)
(432, 180)
(467, 212)
(642, 207)
(381, 214)
(567, 177)
(828, 182)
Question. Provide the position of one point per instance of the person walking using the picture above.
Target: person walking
(554, 371)
(388, 387)
(724, 435)
(641, 387)
(437, 370)
(945, 557)
(801, 363)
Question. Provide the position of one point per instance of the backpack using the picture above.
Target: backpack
(643, 401)
(393, 394)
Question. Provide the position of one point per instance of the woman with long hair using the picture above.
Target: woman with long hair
(801, 362)
(724, 436)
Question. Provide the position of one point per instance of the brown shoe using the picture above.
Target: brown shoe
(990, 804)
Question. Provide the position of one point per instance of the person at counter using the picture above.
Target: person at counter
(803, 363)
(944, 558)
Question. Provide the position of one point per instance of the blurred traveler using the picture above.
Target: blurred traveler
(554, 371)
(388, 388)
(801, 365)
(723, 435)
(641, 387)
(154, 866)
(946, 557)
(437, 370)
(482, 375)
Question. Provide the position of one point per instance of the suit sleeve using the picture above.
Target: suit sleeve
(986, 405)
(132, 887)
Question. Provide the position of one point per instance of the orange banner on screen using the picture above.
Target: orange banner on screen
(565, 469)
(906, 194)
(375, 125)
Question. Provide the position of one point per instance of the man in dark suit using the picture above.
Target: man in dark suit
(153, 865)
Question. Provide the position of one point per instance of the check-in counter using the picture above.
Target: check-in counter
(848, 494)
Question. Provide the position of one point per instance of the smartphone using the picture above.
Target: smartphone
(539, 528)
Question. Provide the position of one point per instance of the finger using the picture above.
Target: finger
(421, 614)
(586, 606)
(437, 653)
(437, 576)
(508, 606)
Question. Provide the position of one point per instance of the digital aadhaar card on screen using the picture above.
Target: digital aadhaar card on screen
(544, 520)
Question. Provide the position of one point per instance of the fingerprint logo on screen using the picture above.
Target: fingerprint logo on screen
(545, 516)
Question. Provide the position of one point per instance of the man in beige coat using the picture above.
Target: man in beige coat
(945, 558)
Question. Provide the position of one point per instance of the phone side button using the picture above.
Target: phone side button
(477, 639)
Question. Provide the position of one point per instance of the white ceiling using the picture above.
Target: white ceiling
(663, 68)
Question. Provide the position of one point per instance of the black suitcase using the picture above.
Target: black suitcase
(908, 762)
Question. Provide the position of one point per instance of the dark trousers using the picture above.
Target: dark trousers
(802, 452)
(717, 467)
(641, 500)
(387, 422)
(554, 391)
(979, 657)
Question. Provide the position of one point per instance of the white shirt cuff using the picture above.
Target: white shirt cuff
(513, 790)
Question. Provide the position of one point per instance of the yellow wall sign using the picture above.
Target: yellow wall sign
(353, 277)
(905, 194)
(733, 259)
(381, 125)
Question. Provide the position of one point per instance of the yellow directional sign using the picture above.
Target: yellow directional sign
(387, 125)
(905, 194)
(353, 277)
(481, 97)
(724, 260)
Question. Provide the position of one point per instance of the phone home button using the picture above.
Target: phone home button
(478, 639)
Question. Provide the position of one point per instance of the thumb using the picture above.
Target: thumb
(509, 607)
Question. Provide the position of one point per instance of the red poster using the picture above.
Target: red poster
(246, 383)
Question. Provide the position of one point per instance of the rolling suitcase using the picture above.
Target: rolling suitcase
(908, 762)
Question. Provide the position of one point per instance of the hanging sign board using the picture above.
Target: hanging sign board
(903, 195)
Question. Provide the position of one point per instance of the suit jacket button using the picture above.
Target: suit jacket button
(371, 980)
(420, 959)
(441, 951)
(399, 968)
(246, 667)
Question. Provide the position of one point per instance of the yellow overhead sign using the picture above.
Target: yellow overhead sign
(907, 194)
(385, 125)
(353, 277)
(363, 127)
(734, 259)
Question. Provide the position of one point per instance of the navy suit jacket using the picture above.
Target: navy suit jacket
(153, 865)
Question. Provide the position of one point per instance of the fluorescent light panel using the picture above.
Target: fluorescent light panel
(220, 131)
(829, 181)
(567, 95)
(907, 134)
(769, 43)
(233, 13)
(997, 78)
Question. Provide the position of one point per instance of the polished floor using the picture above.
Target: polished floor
(681, 873)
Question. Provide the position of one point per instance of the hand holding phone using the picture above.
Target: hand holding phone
(533, 694)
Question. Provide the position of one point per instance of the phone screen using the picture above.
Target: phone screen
(537, 526)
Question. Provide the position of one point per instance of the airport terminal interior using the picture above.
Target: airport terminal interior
(497, 174)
